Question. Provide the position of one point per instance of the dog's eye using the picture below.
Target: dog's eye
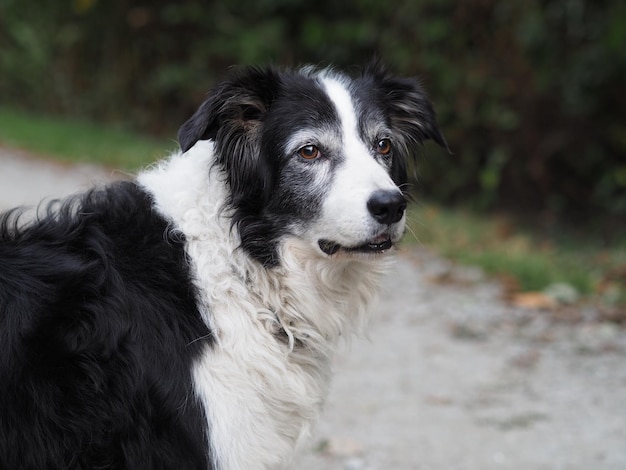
(383, 146)
(309, 152)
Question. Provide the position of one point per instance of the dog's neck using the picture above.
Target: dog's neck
(308, 298)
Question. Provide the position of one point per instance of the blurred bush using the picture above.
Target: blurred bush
(530, 93)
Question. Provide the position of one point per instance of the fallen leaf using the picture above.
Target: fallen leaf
(534, 300)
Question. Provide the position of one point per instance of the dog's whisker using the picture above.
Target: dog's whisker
(200, 338)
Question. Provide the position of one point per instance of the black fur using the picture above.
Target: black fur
(250, 116)
(98, 329)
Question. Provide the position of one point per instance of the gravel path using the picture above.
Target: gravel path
(452, 376)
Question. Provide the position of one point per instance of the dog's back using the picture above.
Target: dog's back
(97, 328)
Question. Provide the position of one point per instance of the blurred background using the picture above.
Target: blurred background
(530, 95)
(501, 330)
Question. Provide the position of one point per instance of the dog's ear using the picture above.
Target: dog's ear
(232, 116)
(410, 113)
(198, 126)
(234, 107)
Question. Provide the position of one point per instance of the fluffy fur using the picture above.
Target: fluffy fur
(188, 319)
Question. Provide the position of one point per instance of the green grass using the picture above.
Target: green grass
(504, 246)
(74, 140)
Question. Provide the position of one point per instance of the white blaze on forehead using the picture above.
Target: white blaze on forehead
(363, 170)
(341, 98)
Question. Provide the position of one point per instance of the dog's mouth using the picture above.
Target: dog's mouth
(377, 245)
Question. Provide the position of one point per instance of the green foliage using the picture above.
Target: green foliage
(529, 92)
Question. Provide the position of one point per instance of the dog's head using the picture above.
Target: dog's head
(315, 155)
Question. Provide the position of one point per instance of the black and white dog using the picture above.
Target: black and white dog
(187, 319)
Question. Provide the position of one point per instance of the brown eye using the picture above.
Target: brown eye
(309, 152)
(383, 146)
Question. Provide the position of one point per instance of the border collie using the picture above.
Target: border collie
(187, 319)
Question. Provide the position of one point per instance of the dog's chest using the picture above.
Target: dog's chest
(261, 398)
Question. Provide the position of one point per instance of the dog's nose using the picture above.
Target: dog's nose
(387, 207)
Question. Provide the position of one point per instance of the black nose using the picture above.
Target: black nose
(387, 207)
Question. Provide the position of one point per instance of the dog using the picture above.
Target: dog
(187, 319)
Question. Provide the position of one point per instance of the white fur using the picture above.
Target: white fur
(263, 384)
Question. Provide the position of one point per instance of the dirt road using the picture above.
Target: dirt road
(452, 376)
